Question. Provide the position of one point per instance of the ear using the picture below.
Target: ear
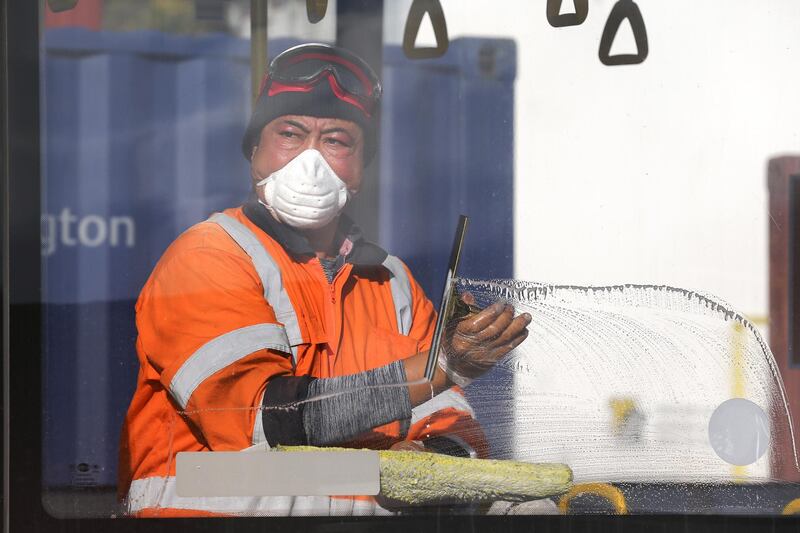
(253, 152)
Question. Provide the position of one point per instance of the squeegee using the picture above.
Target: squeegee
(448, 297)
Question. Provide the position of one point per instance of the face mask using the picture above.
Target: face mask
(306, 193)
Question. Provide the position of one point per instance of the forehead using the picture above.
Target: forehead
(317, 123)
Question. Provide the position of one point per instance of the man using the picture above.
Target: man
(252, 314)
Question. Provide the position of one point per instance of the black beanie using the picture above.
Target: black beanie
(319, 102)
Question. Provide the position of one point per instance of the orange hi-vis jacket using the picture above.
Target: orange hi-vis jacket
(231, 305)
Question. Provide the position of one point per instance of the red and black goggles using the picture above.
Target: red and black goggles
(303, 67)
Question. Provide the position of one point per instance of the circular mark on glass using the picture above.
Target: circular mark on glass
(739, 431)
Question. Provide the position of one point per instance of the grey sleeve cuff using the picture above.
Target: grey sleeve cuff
(361, 406)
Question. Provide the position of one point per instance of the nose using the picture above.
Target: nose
(313, 142)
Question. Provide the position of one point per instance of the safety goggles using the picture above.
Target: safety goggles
(303, 67)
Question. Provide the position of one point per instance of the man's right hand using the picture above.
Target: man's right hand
(473, 344)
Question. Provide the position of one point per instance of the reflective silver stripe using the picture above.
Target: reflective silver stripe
(222, 351)
(159, 492)
(401, 293)
(449, 398)
(276, 295)
(268, 272)
(259, 437)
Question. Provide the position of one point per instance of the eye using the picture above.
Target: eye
(288, 134)
(336, 142)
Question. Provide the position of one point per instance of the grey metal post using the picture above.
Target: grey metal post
(258, 44)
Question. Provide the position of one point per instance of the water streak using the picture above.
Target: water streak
(621, 381)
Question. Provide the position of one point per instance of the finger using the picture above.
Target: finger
(479, 344)
(483, 360)
(501, 351)
(496, 328)
(518, 325)
(474, 324)
(468, 298)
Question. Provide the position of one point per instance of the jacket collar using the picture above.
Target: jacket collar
(362, 253)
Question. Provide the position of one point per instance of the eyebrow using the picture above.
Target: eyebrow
(334, 129)
(297, 125)
(337, 129)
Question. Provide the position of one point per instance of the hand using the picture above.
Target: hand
(407, 446)
(473, 344)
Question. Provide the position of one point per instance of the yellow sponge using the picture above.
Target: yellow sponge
(418, 478)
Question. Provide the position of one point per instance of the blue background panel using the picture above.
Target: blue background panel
(447, 149)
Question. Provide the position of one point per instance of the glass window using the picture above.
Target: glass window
(261, 274)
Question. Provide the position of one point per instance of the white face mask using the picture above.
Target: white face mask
(306, 193)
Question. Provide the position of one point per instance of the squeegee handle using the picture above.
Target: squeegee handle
(447, 296)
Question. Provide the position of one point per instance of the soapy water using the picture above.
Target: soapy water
(622, 382)
(633, 384)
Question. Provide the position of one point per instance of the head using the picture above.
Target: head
(339, 141)
(315, 97)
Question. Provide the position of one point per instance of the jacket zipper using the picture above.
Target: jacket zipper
(336, 304)
(332, 318)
